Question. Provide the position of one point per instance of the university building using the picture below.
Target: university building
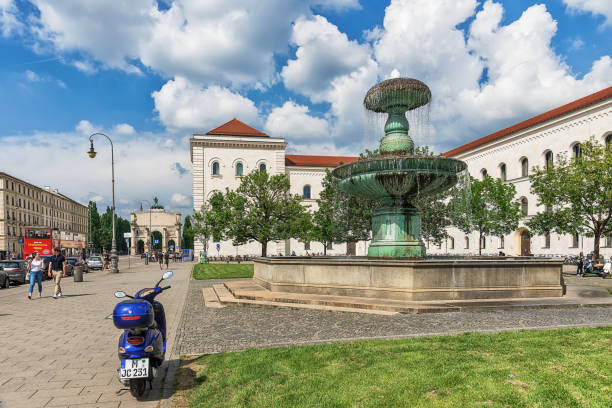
(25, 205)
(223, 154)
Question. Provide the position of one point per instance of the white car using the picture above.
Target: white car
(94, 262)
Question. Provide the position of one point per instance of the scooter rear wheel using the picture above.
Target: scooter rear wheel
(138, 387)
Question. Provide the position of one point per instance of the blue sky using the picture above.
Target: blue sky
(149, 74)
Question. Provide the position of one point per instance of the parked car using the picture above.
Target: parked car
(71, 262)
(94, 262)
(15, 270)
(4, 279)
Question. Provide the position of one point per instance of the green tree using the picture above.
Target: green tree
(340, 217)
(95, 227)
(262, 210)
(487, 207)
(576, 193)
(106, 230)
(187, 233)
(436, 215)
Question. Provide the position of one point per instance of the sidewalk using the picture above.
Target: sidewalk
(63, 352)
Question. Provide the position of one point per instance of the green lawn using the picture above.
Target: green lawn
(222, 271)
(553, 368)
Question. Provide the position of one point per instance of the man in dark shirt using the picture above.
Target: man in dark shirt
(57, 270)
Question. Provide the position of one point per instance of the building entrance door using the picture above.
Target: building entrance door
(351, 248)
(525, 243)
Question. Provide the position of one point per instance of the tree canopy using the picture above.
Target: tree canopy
(576, 194)
(487, 207)
(188, 233)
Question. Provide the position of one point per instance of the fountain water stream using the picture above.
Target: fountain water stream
(397, 176)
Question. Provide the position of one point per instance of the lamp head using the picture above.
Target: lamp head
(92, 153)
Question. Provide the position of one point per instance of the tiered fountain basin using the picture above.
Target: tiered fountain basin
(413, 280)
(395, 181)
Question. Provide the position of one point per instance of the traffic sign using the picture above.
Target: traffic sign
(156, 241)
(127, 235)
(218, 247)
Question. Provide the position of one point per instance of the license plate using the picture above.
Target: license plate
(135, 368)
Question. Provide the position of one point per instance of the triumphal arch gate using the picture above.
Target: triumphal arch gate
(155, 229)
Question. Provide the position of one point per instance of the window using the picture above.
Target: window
(306, 191)
(547, 240)
(524, 206)
(502, 172)
(576, 151)
(262, 167)
(452, 243)
(548, 159)
(575, 239)
(501, 242)
(608, 242)
(483, 173)
(215, 168)
(307, 246)
(483, 242)
(467, 243)
(330, 245)
(239, 169)
(524, 167)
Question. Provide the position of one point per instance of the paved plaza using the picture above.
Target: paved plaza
(63, 352)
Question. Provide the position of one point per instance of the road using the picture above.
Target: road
(63, 352)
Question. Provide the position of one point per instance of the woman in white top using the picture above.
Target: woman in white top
(36, 266)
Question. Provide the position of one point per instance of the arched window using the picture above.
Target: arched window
(239, 169)
(483, 173)
(483, 242)
(467, 242)
(524, 167)
(306, 191)
(576, 151)
(547, 240)
(524, 206)
(501, 242)
(548, 159)
(608, 141)
(575, 240)
(451, 243)
(262, 167)
(215, 168)
(502, 172)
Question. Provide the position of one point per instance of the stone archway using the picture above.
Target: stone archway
(140, 247)
(157, 241)
(172, 245)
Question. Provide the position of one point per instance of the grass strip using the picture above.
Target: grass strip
(538, 368)
(222, 271)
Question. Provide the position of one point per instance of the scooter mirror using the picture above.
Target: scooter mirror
(120, 294)
(167, 275)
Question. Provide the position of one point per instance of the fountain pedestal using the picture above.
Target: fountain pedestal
(396, 233)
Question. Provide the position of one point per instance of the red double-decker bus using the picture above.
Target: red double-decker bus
(38, 239)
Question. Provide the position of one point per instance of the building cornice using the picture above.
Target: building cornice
(234, 144)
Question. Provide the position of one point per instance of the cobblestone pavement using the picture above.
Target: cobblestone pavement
(63, 352)
(207, 330)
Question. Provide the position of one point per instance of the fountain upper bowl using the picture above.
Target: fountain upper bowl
(399, 177)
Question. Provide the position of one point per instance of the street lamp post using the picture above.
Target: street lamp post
(92, 153)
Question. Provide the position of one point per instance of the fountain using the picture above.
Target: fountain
(397, 176)
(396, 268)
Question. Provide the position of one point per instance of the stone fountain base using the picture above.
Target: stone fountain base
(412, 280)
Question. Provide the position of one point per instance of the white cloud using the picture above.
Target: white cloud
(141, 163)
(124, 129)
(85, 127)
(32, 76)
(181, 200)
(9, 23)
(295, 123)
(602, 7)
(182, 104)
(323, 54)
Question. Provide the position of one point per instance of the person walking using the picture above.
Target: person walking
(35, 266)
(580, 264)
(167, 258)
(57, 270)
(160, 259)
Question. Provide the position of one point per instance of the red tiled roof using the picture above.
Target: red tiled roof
(236, 128)
(536, 120)
(321, 161)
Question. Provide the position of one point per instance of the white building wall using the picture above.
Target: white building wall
(559, 136)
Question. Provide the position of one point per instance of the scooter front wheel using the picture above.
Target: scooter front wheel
(138, 387)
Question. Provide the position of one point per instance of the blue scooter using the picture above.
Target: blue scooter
(142, 345)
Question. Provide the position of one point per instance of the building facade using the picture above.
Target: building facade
(222, 155)
(23, 204)
(146, 225)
